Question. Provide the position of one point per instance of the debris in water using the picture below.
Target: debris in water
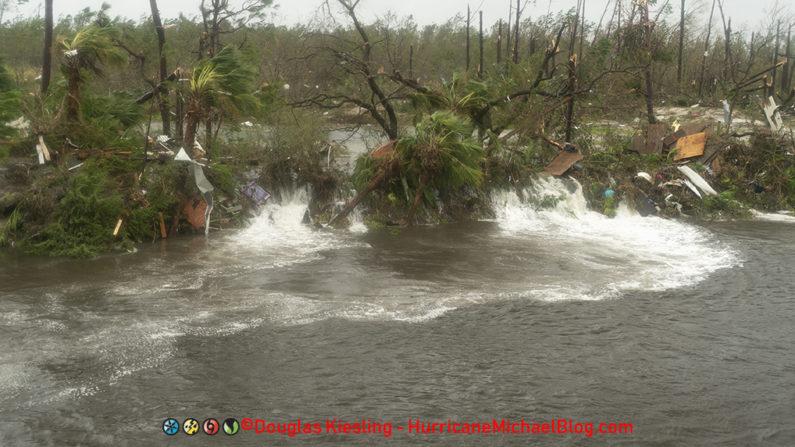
(202, 183)
(196, 211)
(256, 193)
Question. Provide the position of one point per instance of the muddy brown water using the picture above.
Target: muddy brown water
(684, 330)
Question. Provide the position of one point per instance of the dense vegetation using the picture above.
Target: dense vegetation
(465, 118)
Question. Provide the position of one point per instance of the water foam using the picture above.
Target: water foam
(781, 216)
(628, 252)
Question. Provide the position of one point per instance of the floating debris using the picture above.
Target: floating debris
(256, 193)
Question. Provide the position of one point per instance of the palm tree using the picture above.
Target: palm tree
(216, 82)
(442, 154)
(91, 47)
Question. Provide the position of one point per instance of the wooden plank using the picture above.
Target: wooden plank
(562, 163)
(44, 148)
(670, 140)
(654, 141)
(384, 150)
(638, 142)
(116, 230)
(694, 128)
(691, 146)
(163, 233)
(194, 212)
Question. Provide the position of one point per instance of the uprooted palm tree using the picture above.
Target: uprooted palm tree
(91, 48)
(441, 155)
(216, 82)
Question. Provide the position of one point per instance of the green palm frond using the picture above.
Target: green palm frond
(444, 145)
(93, 45)
(225, 78)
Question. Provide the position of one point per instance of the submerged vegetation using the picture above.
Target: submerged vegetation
(83, 171)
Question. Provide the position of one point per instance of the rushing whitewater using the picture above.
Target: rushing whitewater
(628, 252)
(109, 318)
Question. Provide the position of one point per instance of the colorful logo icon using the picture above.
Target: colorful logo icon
(170, 426)
(210, 426)
(231, 426)
(190, 426)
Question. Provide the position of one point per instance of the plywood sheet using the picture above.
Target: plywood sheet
(562, 163)
(195, 212)
(654, 141)
(691, 146)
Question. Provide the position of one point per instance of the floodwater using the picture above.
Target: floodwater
(682, 330)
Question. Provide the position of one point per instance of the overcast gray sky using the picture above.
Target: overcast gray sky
(745, 14)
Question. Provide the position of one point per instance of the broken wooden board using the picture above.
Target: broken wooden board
(710, 152)
(638, 142)
(684, 131)
(163, 233)
(691, 146)
(384, 150)
(44, 149)
(674, 137)
(562, 163)
(194, 212)
(771, 113)
(654, 140)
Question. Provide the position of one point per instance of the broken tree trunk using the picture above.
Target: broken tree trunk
(418, 196)
(46, 65)
(468, 24)
(647, 70)
(786, 71)
(162, 92)
(681, 44)
(385, 172)
(499, 43)
(706, 49)
(516, 37)
(480, 65)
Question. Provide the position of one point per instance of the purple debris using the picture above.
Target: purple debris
(255, 192)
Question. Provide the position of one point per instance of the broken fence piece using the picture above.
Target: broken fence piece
(698, 180)
(771, 113)
(44, 148)
(727, 118)
(562, 163)
(40, 153)
(196, 212)
(691, 146)
(654, 141)
(163, 233)
(202, 183)
(384, 150)
(256, 193)
(116, 230)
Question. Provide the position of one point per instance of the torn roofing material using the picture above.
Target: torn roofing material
(562, 163)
